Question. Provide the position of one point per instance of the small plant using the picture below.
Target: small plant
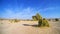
(16, 20)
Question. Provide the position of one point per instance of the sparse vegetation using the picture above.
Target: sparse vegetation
(56, 19)
(49, 19)
(15, 20)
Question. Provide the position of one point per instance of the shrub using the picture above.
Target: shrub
(56, 19)
(41, 22)
(45, 22)
(16, 20)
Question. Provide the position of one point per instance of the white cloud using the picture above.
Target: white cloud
(45, 9)
(25, 13)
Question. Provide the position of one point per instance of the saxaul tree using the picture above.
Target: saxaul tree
(41, 21)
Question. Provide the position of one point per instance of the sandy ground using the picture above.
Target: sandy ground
(6, 27)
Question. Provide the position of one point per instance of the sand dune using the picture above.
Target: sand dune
(6, 27)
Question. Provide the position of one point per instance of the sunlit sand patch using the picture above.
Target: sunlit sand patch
(19, 28)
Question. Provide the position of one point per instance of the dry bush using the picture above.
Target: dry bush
(16, 20)
(11, 20)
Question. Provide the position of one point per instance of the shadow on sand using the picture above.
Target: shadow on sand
(34, 25)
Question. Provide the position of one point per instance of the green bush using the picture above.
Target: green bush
(38, 16)
(40, 22)
(56, 19)
(34, 18)
(45, 22)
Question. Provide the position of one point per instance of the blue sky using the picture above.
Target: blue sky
(25, 9)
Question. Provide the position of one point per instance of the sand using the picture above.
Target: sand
(24, 27)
